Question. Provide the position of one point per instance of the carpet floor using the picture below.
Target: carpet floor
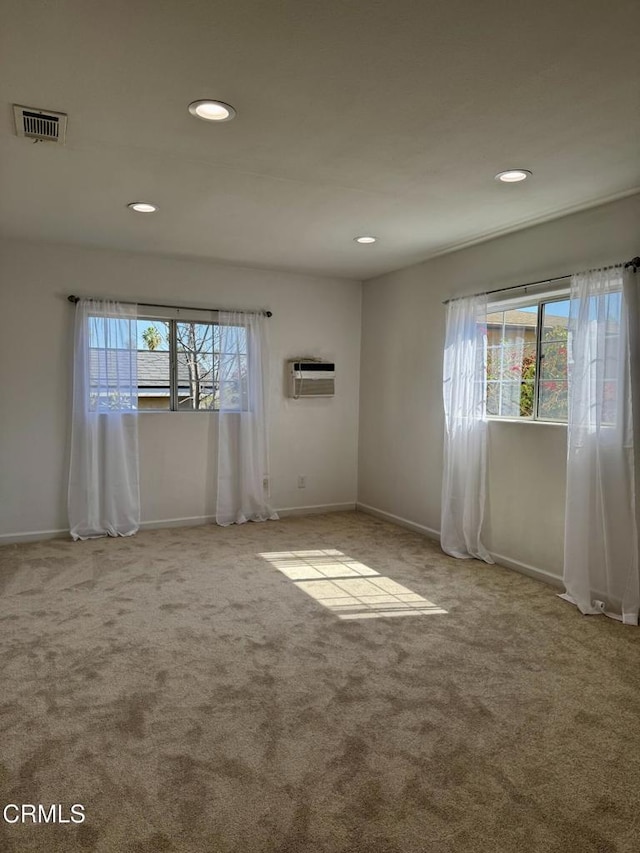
(328, 683)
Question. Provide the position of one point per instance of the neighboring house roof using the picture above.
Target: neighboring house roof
(152, 368)
(526, 319)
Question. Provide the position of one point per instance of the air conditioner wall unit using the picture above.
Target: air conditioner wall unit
(311, 379)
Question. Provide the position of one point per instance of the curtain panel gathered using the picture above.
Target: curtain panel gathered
(601, 569)
(104, 493)
(465, 440)
(243, 469)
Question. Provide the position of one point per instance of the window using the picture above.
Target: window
(154, 364)
(180, 364)
(527, 351)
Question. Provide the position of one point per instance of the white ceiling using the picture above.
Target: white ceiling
(388, 117)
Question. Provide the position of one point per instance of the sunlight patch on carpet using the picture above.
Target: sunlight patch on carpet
(348, 588)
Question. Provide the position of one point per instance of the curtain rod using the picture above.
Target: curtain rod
(634, 262)
(75, 299)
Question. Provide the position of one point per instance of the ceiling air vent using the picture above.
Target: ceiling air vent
(40, 125)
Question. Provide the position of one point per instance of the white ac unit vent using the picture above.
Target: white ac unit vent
(311, 379)
(40, 125)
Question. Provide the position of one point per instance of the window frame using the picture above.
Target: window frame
(174, 352)
(174, 379)
(172, 317)
(540, 299)
(212, 320)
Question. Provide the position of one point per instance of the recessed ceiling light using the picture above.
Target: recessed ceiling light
(365, 239)
(212, 110)
(512, 176)
(142, 207)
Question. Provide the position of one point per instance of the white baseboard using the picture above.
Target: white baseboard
(43, 535)
(314, 509)
(33, 536)
(530, 571)
(401, 522)
(500, 559)
(198, 520)
(189, 521)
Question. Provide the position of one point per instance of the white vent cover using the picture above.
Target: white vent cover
(40, 125)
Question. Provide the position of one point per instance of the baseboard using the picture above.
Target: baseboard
(198, 520)
(43, 535)
(188, 521)
(33, 536)
(397, 519)
(530, 571)
(500, 559)
(315, 509)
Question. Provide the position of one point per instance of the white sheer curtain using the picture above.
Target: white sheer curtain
(465, 441)
(104, 494)
(243, 419)
(601, 573)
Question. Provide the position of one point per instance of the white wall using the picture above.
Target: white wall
(312, 316)
(401, 419)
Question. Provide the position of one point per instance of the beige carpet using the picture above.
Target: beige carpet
(194, 697)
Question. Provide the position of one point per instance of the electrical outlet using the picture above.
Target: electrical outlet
(265, 484)
(302, 481)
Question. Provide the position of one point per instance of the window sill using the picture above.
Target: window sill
(540, 422)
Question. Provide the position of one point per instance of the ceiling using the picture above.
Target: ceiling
(388, 117)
